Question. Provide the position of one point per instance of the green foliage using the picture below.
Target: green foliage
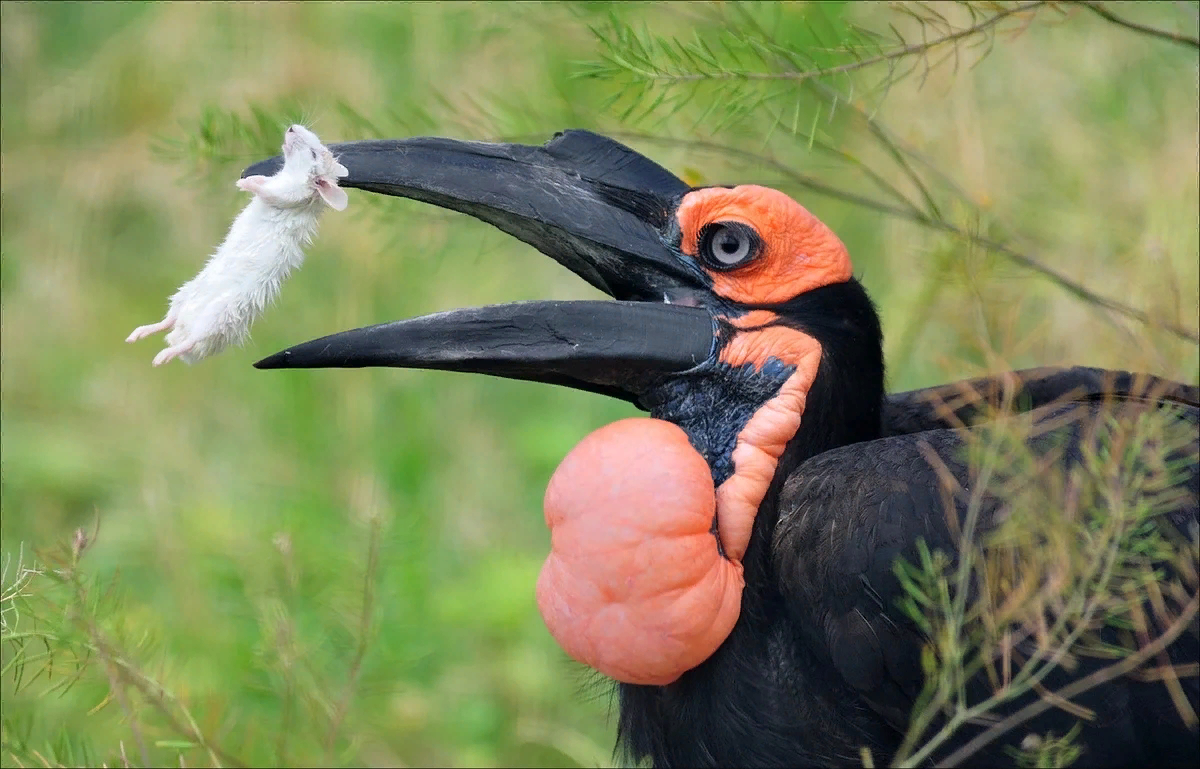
(301, 568)
(1072, 553)
(803, 87)
(209, 140)
(1048, 751)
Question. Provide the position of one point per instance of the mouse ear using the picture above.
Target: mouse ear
(332, 194)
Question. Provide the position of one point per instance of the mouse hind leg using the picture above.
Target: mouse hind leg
(141, 332)
(168, 354)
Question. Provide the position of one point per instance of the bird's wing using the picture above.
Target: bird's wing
(963, 403)
(846, 514)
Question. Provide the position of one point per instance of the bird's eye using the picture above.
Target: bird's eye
(725, 245)
(313, 153)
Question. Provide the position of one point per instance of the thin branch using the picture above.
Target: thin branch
(364, 628)
(898, 155)
(159, 697)
(126, 673)
(1102, 676)
(803, 180)
(118, 689)
(894, 148)
(898, 150)
(952, 660)
(801, 75)
(1038, 665)
(1065, 283)
(1161, 34)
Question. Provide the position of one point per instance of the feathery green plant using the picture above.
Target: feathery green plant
(1074, 550)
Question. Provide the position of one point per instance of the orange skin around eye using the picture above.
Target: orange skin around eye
(634, 586)
(799, 252)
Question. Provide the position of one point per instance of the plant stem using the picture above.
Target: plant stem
(800, 75)
(364, 627)
(1101, 676)
(1161, 34)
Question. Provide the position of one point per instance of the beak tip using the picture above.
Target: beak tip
(278, 360)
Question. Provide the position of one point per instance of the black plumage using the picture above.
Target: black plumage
(822, 661)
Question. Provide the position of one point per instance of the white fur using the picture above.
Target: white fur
(265, 243)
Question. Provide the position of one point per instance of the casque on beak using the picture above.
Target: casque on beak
(595, 206)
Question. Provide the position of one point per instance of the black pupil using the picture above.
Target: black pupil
(729, 243)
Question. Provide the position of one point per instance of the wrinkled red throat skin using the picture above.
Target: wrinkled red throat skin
(634, 585)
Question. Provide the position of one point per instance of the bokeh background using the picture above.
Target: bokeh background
(241, 511)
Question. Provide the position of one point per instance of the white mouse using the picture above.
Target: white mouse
(265, 243)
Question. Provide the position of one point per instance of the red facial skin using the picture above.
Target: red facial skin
(634, 585)
(801, 252)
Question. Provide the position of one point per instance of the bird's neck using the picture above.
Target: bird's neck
(844, 404)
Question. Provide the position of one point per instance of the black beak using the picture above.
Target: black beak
(595, 206)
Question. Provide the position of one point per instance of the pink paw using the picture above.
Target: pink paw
(141, 332)
(169, 354)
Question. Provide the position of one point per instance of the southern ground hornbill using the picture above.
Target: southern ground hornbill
(729, 560)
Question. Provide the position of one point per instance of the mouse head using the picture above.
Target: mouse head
(309, 170)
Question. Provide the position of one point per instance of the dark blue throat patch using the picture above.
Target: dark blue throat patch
(713, 403)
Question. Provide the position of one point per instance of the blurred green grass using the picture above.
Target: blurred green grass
(236, 505)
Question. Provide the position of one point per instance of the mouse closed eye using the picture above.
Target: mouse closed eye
(265, 243)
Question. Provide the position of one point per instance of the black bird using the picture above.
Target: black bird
(729, 561)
